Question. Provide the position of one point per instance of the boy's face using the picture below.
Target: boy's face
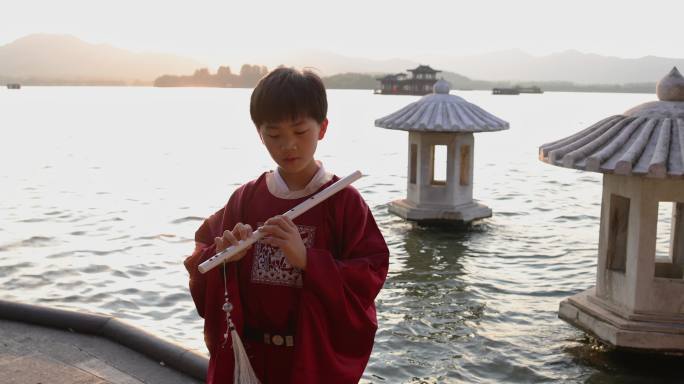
(292, 143)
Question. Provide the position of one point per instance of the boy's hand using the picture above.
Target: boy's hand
(239, 232)
(281, 232)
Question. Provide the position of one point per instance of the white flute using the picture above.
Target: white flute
(228, 253)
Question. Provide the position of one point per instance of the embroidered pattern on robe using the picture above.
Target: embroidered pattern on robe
(270, 265)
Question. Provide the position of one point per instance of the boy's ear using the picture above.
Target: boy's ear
(323, 129)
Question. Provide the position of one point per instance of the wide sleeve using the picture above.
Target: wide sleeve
(337, 320)
(212, 227)
(204, 249)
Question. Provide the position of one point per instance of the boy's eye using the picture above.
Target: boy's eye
(301, 132)
(273, 136)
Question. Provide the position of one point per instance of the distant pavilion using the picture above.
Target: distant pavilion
(422, 79)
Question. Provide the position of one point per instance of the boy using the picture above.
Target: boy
(303, 297)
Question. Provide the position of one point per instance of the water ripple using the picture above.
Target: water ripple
(187, 219)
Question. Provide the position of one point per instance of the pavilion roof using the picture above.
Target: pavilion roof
(423, 69)
(647, 140)
(442, 112)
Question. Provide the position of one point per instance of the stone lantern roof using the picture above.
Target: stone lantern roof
(647, 140)
(442, 112)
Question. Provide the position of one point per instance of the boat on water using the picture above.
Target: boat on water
(516, 90)
(532, 89)
(13, 86)
(505, 91)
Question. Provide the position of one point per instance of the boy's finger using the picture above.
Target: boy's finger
(283, 222)
(228, 235)
(276, 219)
(273, 241)
(219, 244)
(274, 230)
(290, 222)
(237, 231)
(245, 231)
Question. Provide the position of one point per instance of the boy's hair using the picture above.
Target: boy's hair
(288, 94)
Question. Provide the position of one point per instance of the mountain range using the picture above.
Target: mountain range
(54, 59)
(47, 58)
(510, 65)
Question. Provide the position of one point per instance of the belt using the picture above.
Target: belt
(268, 338)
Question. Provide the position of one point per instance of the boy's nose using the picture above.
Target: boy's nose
(289, 146)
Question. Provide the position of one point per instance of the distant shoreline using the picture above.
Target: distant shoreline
(577, 89)
(249, 75)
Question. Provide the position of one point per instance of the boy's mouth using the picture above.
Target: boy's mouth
(291, 159)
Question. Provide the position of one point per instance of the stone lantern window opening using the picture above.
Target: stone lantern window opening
(617, 233)
(664, 232)
(670, 230)
(413, 172)
(438, 164)
(464, 173)
(677, 242)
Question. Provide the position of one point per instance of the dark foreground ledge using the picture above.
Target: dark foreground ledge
(28, 329)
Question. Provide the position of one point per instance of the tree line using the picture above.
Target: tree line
(250, 74)
(247, 78)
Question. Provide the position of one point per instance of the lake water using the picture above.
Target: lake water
(101, 190)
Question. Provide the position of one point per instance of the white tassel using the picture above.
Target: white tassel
(243, 374)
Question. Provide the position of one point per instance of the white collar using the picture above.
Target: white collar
(278, 188)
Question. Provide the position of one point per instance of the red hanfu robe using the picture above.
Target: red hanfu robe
(329, 307)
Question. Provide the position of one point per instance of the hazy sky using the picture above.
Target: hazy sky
(236, 32)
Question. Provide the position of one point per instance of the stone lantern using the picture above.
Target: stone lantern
(441, 124)
(638, 301)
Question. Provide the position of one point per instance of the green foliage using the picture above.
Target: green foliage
(350, 81)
